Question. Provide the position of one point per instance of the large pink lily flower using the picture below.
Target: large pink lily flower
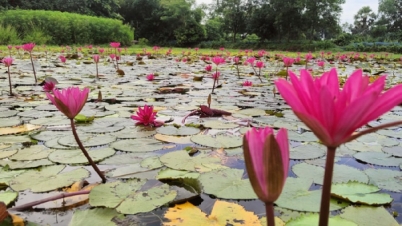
(28, 47)
(146, 116)
(218, 60)
(267, 161)
(69, 101)
(332, 113)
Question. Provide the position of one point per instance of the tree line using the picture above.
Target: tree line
(184, 23)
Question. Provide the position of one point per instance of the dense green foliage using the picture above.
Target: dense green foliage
(65, 28)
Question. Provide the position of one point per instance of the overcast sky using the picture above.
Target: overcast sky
(350, 8)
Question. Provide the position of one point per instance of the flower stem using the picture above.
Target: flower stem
(269, 209)
(326, 189)
(97, 75)
(77, 139)
(33, 67)
(9, 81)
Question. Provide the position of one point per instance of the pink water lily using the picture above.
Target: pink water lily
(69, 101)
(96, 58)
(208, 67)
(115, 44)
(49, 86)
(288, 62)
(247, 83)
(216, 75)
(150, 77)
(333, 114)
(28, 47)
(218, 60)
(259, 64)
(7, 61)
(62, 58)
(146, 116)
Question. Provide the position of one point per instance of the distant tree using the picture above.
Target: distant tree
(364, 21)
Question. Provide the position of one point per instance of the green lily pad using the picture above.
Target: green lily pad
(6, 176)
(47, 179)
(76, 156)
(8, 197)
(7, 153)
(87, 140)
(312, 219)
(35, 114)
(307, 151)
(227, 184)
(138, 145)
(366, 215)
(56, 121)
(126, 158)
(252, 112)
(303, 137)
(296, 196)
(182, 131)
(127, 197)
(7, 122)
(97, 216)
(181, 160)
(14, 139)
(9, 113)
(378, 158)
(219, 141)
(100, 129)
(151, 163)
(49, 135)
(217, 124)
(25, 164)
(363, 147)
(176, 174)
(33, 152)
(342, 173)
(135, 133)
(360, 193)
(134, 171)
(385, 179)
(394, 150)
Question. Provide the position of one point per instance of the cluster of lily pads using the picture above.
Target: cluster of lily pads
(168, 166)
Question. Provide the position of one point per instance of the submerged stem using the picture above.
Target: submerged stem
(77, 139)
(326, 189)
(9, 81)
(269, 209)
(33, 67)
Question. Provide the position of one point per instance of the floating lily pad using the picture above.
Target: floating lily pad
(7, 153)
(216, 124)
(56, 121)
(385, 179)
(378, 158)
(307, 151)
(101, 129)
(342, 173)
(394, 150)
(366, 215)
(76, 156)
(312, 219)
(49, 135)
(227, 184)
(87, 140)
(252, 112)
(35, 114)
(181, 160)
(18, 129)
(218, 141)
(14, 139)
(6, 122)
(176, 174)
(127, 198)
(134, 171)
(9, 113)
(34, 152)
(97, 216)
(127, 158)
(296, 196)
(6, 176)
(138, 145)
(182, 131)
(8, 197)
(47, 179)
(25, 164)
(135, 133)
(151, 162)
(360, 193)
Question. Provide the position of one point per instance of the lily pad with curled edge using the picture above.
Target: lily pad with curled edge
(96, 216)
(307, 151)
(368, 216)
(49, 135)
(181, 160)
(75, 156)
(296, 196)
(14, 139)
(8, 197)
(378, 158)
(389, 180)
(218, 141)
(252, 112)
(302, 137)
(127, 158)
(394, 150)
(217, 124)
(33, 152)
(363, 147)
(176, 174)
(25, 164)
(35, 114)
(223, 213)
(6, 122)
(360, 193)
(9, 113)
(137, 145)
(6, 176)
(47, 179)
(227, 184)
(87, 140)
(312, 219)
(342, 173)
(55, 121)
(374, 138)
(128, 197)
(135, 132)
(182, 131)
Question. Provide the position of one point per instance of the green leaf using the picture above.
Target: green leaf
(312, 219)
(138, 145)
(385, 179)
(8, 197)
(127, 198)
(47, 179)
(33, 152)
(76, 156)
(227, 184)
(307, 151)
(127, 158)
(366, 215)
(378, 158)
(216, 124)
(182, 131)
(181, 160)
(360, 193)
(296, 196)
(97, 216)
(218, 141)
(87, 140)
(176, 174)
(25, 164)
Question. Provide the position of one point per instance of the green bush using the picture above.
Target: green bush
(8, 35)
(66, 28)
